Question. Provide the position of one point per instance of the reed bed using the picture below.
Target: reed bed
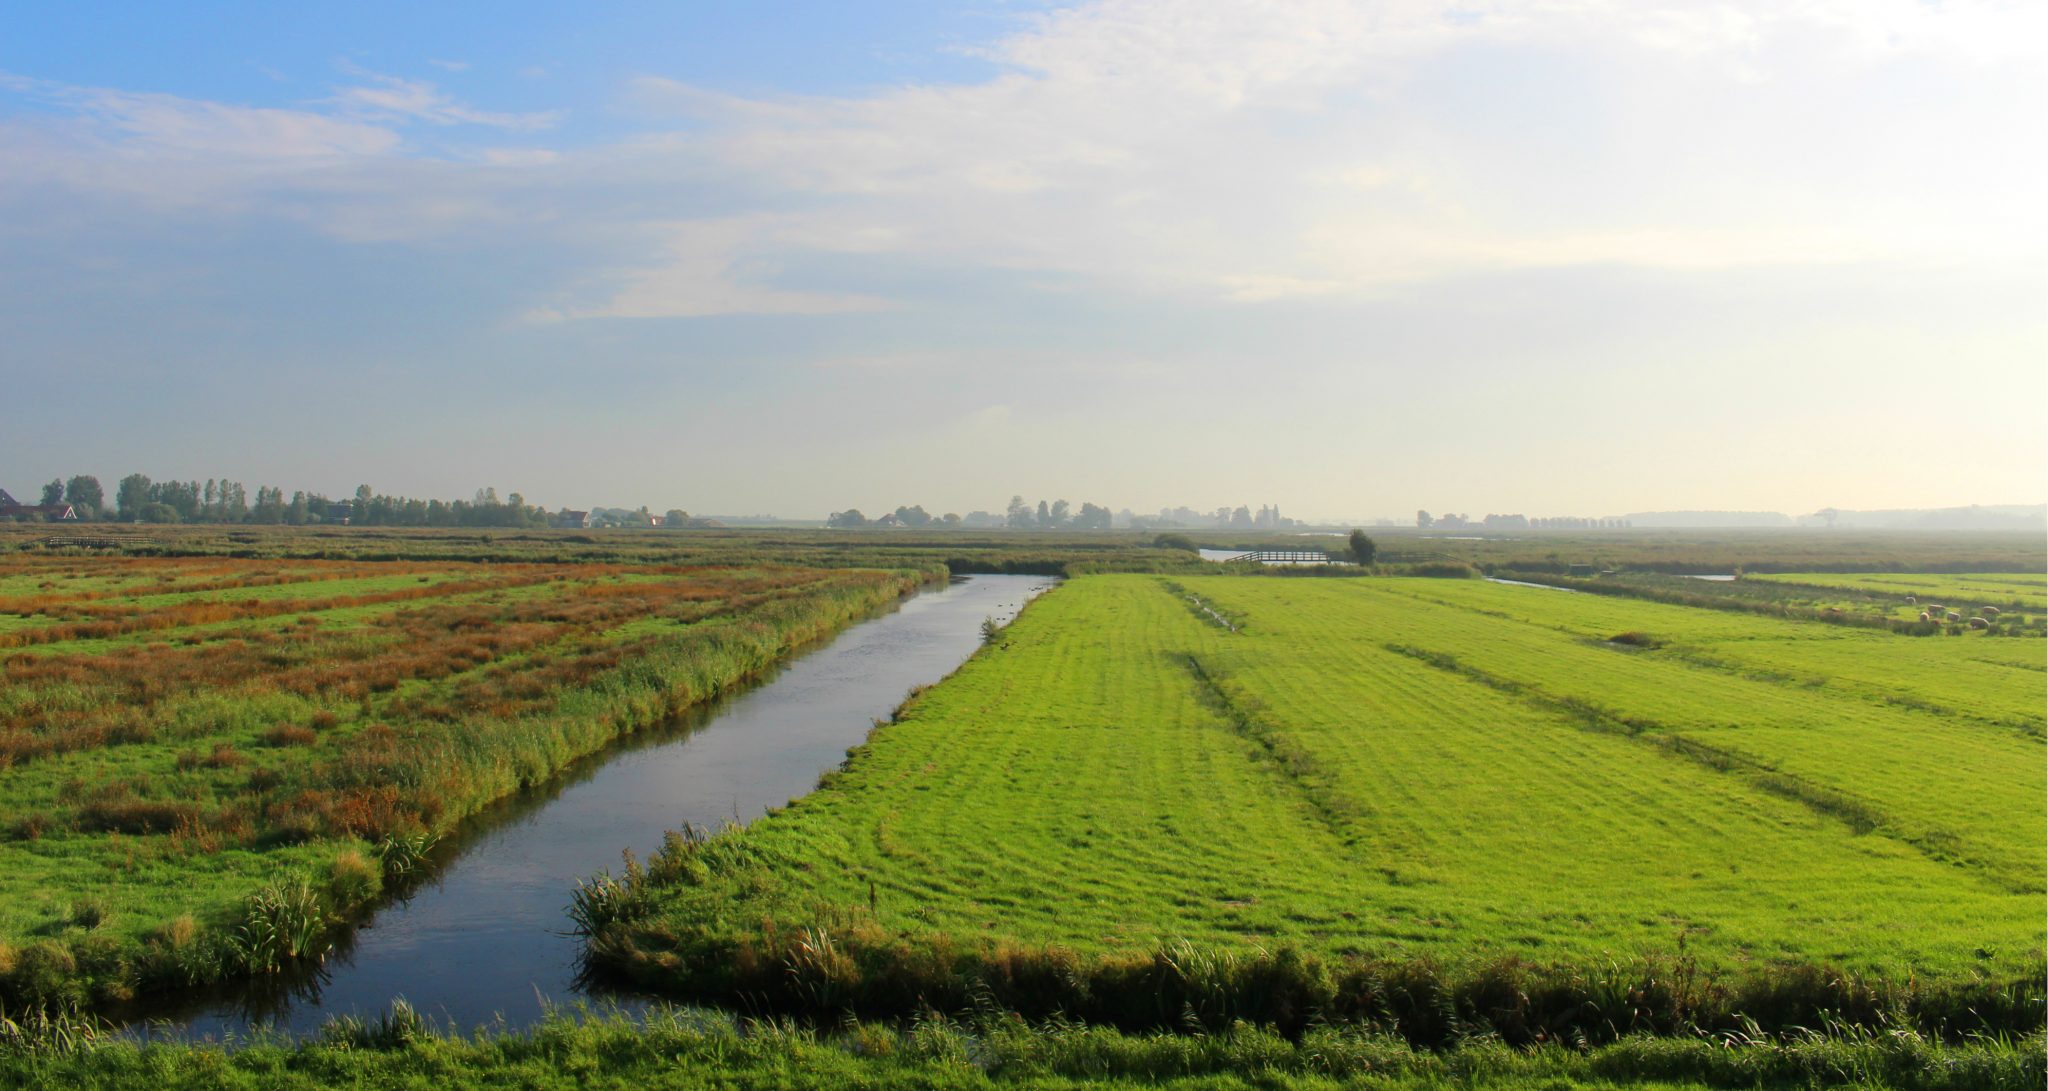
(227, 779)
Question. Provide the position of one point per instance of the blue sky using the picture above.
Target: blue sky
(517, 56)
(1355, 259)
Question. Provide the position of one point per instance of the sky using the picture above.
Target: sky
(1566, 257)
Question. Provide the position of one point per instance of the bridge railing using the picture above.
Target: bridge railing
(96, 541)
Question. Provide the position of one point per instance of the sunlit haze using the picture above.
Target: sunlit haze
(1352, 259)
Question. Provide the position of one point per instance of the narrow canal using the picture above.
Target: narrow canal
(487, 937)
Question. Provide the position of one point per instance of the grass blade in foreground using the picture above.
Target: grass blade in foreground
(678, 1050)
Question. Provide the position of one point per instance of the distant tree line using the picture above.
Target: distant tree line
(642, 516)
(1454, 521)
(1056, 515)
(1268, 517)
(908, 515)
(138, 499)
(370, 508)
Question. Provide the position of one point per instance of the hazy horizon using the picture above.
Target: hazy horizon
(1551, 258)
(1801, 518)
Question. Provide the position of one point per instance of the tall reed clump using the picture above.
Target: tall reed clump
(42, 1031)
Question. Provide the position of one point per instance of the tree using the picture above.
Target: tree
(849, 518)
(1363, 548)
(676, 519)
(913, 516)
(1044, 515)
(53, 493)
(269, 505)
(1059, 513)
(84, 492)
(132, 495)
(1018, 514)
(1423, 520)
(181, 495)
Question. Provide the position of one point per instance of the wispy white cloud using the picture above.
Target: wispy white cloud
(1166, 146)
(144, 124)
(1319, 149)
(711, 267)
(450, 66)
(354, 167)
(394, 97)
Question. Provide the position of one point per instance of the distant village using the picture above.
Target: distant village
(1451, 521)
(1061, 515)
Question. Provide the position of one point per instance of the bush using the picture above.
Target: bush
(289, 735)
(352, 880)
(138, 816)
(281, 924)
(45, 975)
(88, 913)
(1363, 548)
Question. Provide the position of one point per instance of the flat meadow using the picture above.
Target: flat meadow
(1171, 823)
(1964, 592)
(209, 764)
(1427, 803)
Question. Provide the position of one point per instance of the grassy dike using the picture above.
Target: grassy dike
(678, 1050)
(327, 830)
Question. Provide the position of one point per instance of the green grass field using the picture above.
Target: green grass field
(1864, 600)
(1392, 772)
(1965, 592)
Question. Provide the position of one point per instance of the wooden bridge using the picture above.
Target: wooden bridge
(1290, 556)
(97, 541)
